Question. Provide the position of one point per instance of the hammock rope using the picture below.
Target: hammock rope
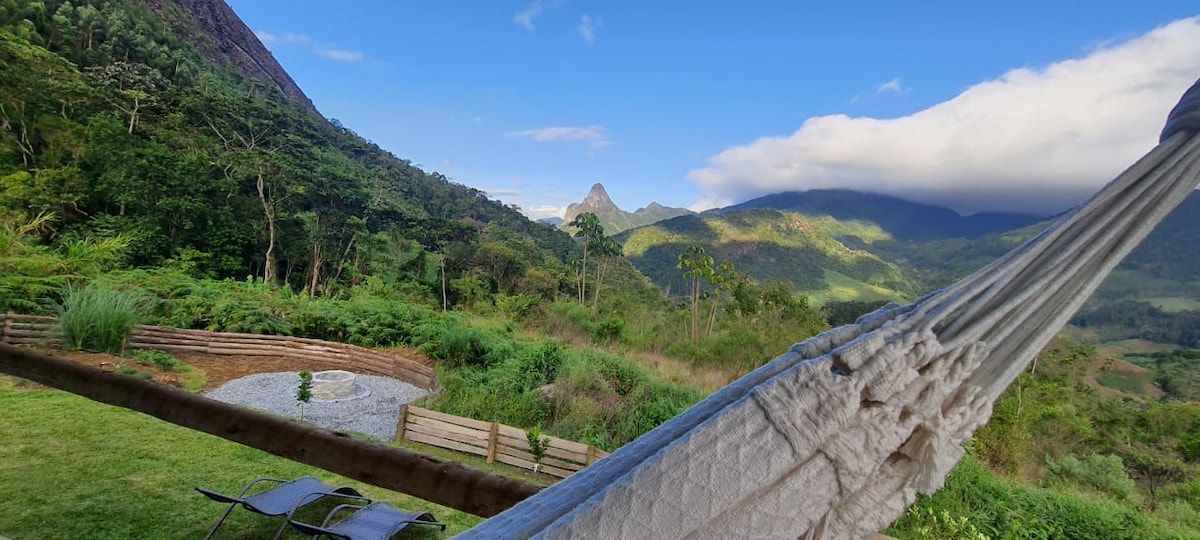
(835, 438)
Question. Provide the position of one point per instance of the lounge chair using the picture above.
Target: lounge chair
(367, 520)
(282, 499)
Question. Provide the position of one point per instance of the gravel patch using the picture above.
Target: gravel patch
(376, 414)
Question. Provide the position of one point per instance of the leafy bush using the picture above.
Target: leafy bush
(1003, 509)
(609, 329)
(1101, 473)
(161, 359)
(462, 345)
(98, 318)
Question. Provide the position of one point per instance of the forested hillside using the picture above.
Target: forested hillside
(772, 245)
(111, 125)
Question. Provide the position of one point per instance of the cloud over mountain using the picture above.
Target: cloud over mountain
(1033, 139)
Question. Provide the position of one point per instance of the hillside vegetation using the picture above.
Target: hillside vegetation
(770, 245)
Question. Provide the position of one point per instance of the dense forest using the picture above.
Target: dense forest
(140, 178)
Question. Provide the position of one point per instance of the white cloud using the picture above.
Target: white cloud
(502, 192)
(588, 28)
(1035, 140)
(525, 18)
(892, 86)
(291, 38)
(543, 211)
(593, 134)
(340, 55)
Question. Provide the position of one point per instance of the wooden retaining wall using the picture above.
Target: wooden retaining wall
(28, 330)
(33, 330)
(496, 442)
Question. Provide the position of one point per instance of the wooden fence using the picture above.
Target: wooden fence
(496, 442)
(29, 330)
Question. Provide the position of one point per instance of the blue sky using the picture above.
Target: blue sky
(1022, 106)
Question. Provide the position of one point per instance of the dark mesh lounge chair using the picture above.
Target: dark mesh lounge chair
(278, 500)
(367, 520)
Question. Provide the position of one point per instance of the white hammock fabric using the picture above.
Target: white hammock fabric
(835, 438)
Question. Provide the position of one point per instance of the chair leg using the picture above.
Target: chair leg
(279, 533)
(220, 521)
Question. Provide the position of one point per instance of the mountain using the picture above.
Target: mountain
(769, 244)
(613, 219)
(168, 124)
(903, 220)
(223, 39)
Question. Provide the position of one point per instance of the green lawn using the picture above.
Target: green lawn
(74, 468)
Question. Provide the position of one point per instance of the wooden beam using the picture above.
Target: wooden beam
(436, 480)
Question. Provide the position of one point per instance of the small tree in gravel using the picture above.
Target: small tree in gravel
(537, 446)
(304, 391)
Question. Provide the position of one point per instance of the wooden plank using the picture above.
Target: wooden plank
(528, 465)
(569, 446)
(480, 435)
(442, 443)
(523, 444)
(161, 347)
(521, 454)
(166, 340)
(30, 325)
(32, 341)
(27, 333)
(221, 351)
(16, 317)
(509, 431)
(457, 437)
(273, 342)
(172, 332)
(468, 422)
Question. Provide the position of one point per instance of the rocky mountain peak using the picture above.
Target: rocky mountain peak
(596, 202)
(223, 38)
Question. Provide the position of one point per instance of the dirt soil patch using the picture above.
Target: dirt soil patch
(218, 369)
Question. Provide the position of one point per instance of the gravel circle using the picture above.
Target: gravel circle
(375, 415)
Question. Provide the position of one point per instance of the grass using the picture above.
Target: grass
(975, 498)
(1174, 304)
(840, 288)
(98, 319)
(73, 468)
(1130, 383)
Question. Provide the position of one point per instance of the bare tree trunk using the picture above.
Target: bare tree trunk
(445, 304)
(444, 482)
(600, 271)
(315, 266)
(269, 213)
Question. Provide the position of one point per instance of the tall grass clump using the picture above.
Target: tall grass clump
(98, 319)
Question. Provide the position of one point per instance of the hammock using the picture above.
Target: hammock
(835, 438)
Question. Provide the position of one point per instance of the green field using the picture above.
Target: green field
(841, 288)
(74, 468)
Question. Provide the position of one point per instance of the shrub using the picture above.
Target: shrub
(1101, 473)
(610, 329)
(161, 359)
(99, 318)
(463, 345)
